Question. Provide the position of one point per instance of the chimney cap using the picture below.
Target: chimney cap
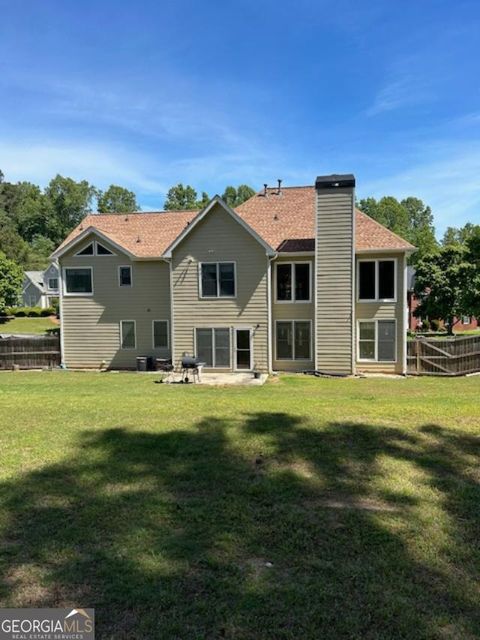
(335, 180)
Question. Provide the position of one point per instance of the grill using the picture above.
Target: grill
(190, 366)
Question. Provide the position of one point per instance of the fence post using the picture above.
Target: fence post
(417, 353)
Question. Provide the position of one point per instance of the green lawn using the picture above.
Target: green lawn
(27, 325)
(304, 509)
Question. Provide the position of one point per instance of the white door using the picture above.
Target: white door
(243, 350)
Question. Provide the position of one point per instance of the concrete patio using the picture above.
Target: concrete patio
(220, 379)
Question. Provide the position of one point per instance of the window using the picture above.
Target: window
(377, 340)
(465, 319)
(103, 251)
(217, 280)
(376, 280)
(87, 251)
(125, 276)
(294, 340)
(160, 334)
(213, 347)
(95, 248)
(127, 334)
(293, 282)
(78, 281)
(53, 284)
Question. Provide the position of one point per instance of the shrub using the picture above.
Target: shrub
(34, 312)
(426, 325)
(48, 311)
(20, 312)
(435, 325)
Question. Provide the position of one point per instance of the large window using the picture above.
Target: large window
(125, 276)
(293, 282)
(217, 280)
(213, 347)
(78, 281)
(127, 334)
(376, 280)
(294, 340)
(377, 340)
(160, 334)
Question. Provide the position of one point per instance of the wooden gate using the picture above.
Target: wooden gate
(455, 356)
(29, 352)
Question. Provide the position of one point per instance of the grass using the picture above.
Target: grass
(27, 325)
(302, 509)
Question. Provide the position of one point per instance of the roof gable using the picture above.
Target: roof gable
(284, 223)
(203, 213)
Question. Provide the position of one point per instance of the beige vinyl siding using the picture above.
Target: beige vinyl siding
(385, 311)
(334, 279)
(293, 311)
(91, 324)
(219, 238)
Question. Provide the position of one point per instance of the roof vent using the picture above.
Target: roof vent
(265, 192)
(126, 218)
(138, 239)
(275, 217)
(279, 190)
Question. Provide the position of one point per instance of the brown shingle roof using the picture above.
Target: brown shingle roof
(286, 222)
(280, 219)
(145, 235)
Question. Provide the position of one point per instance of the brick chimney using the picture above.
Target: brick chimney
(334, 275)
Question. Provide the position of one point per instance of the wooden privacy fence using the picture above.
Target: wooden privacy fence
(29, 352)
(447, 357)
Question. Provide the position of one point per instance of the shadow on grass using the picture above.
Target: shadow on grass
(194, 534)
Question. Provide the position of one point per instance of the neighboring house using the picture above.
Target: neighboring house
(40, 288)
(464, 323)
(293, 279)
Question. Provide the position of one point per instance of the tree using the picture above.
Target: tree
(71, 201)
(181, 198)
(411, 219)
(472, 294)
(458, 236)
(442, 281)
(204, 200)
(11, 279)
(12, 244)
(116, 200)
(234, 197)
(40, 250)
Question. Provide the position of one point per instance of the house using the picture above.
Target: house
(415, 323)
(40, 288)
(293, 279)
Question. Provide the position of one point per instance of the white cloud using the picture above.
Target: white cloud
(445, 176)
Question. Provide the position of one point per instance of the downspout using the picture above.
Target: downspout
(60, 306)
(172, 315)
(269, 312)
(405, 316)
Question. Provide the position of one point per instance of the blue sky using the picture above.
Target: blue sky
(147, 94)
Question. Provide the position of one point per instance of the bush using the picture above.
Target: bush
(48, 311)
(435, 325)
(31, 312)
(426, 325)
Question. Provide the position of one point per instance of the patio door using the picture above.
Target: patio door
(243, 349)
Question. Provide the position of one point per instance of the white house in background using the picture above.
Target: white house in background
(40, 288)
